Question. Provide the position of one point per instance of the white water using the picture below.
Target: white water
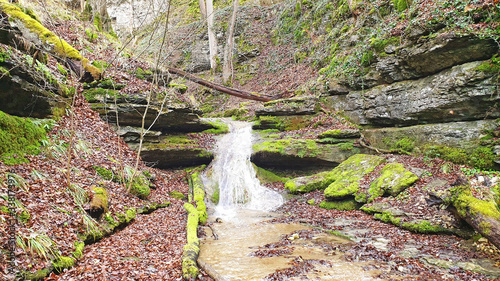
(233, 172)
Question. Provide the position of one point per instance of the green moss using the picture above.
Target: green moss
(266, 176)
(400, 5)
(481, 157)
(379, 44)
(104, 173)
(387, 217)
(140, 187)
(191, 250)
(300, 147)
(311, 202)
(100, 200)
(403, 145)
(464, 202)
(4, 72)
(345, 177)
(24, 216)
(236, 113)
(101, 65)
(393, 179)
(177, 195)
(423, 226)
(219, 128)
(40, 274)
(130, 214)
(491, 66)
(342, 205)
(62, 70)
(199, 197)
(181, 88)
(142, 74)
(63, 263)
(98, 94)
(18, 137)
(78, 252)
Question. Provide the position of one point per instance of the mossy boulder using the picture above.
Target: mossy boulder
(309, 183)
(346, 176)
(393, 179)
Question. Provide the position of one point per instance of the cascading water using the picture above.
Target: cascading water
(232, 175)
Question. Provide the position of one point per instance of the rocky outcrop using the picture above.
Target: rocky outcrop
(28, 91)
(292, 106)
(460, 93)
(455, 134)
(427, 56)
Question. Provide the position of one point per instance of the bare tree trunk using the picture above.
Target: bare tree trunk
(212, 41)
(227, 67)
(203, 9)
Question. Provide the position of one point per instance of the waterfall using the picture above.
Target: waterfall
(233, 177)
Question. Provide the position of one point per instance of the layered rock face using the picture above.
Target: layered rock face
(438, 91)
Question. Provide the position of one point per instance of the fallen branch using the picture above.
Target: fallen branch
(221, 88)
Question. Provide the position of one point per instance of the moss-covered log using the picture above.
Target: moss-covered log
(44, 39)
(99, 203)
(482, 215)
(199, 197)
(192, 249)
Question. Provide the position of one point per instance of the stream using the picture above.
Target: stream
(242, 229)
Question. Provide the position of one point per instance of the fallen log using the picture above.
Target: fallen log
(482, 215)
(222, 88)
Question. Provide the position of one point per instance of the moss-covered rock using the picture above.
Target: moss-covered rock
(393, 179)
(140, 187)
(342, 205)
(63, 263)
(104, 173)
(199, 197)
(177, 195)
(309, 183)
(35, 32)
(345, 177)
(18, 137)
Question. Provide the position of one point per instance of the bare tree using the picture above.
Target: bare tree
(227, 67)
(212, 41)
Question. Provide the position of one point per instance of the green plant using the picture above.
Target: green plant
(37, 243)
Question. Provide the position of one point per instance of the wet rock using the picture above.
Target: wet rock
(487, 269)
(292, 106)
